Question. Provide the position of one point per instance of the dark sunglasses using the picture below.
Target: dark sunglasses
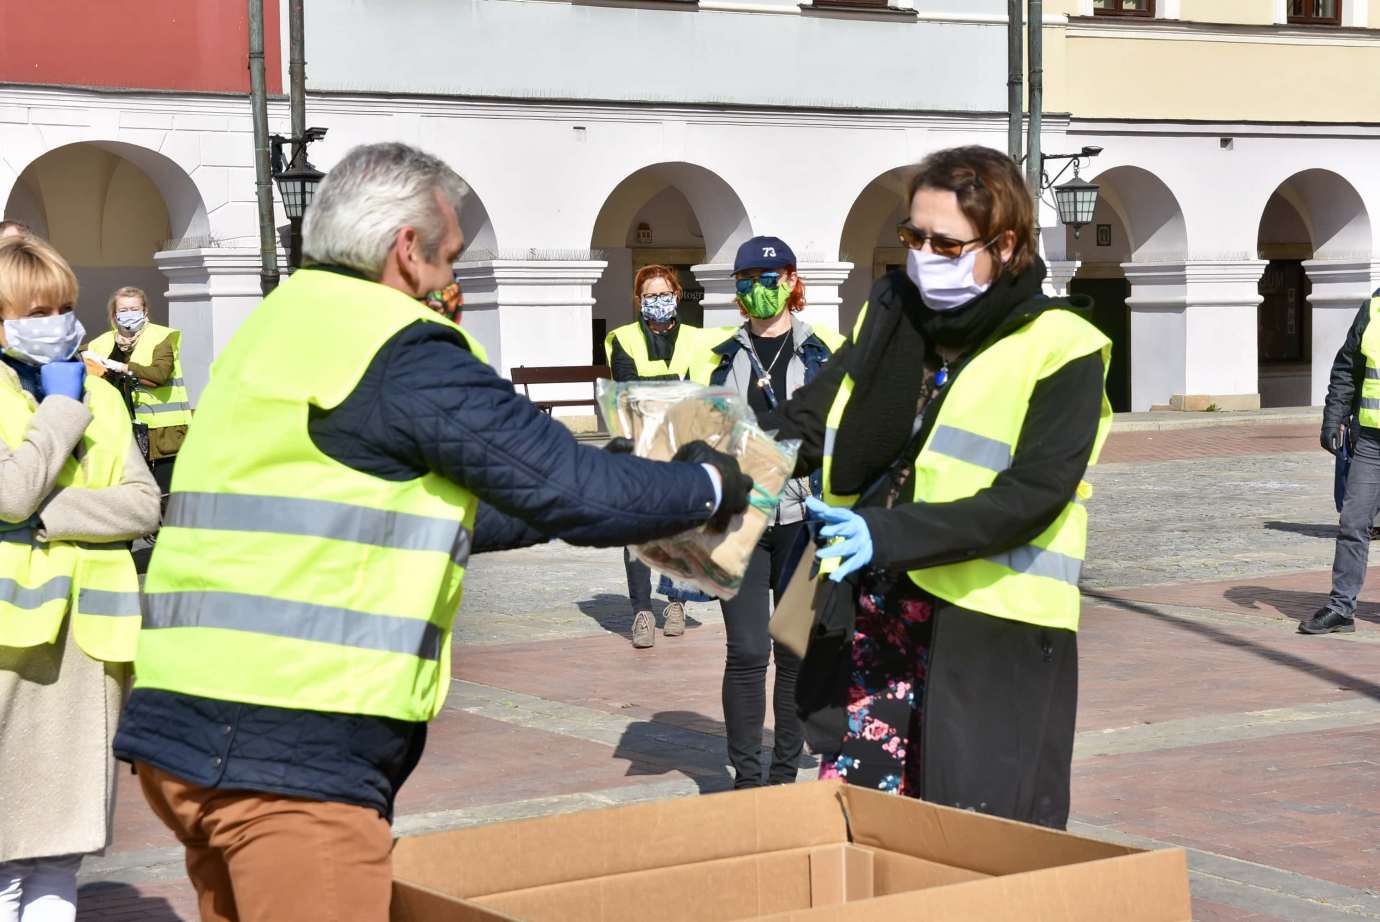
(941, 245)
(769, 281)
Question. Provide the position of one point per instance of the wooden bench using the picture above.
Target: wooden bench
(526, 375)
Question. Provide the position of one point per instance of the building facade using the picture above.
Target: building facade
(1230, 250)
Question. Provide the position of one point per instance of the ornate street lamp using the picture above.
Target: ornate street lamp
(1075, 200)
(296, 185)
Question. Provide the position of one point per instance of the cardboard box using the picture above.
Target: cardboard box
(818, 852)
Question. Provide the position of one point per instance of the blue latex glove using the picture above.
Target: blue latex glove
(855, 550)
(62, 378)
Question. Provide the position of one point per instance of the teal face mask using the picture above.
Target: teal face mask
(762, 302)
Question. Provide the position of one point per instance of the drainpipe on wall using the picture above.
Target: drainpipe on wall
(1015, 64)
(263, 177)
(1033, 167)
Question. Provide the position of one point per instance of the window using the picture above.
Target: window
(1316, 12)
(1124, 7)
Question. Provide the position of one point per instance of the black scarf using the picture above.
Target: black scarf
(888, 365)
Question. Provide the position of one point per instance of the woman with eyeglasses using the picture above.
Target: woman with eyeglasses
(655, 347)
(767, 359)
(953, 434)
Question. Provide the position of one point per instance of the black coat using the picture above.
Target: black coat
(1001, 696)
(1348, 374)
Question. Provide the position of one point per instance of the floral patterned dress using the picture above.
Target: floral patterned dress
(891, 649)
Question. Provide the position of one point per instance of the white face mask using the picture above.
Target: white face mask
(945, 284)
(40, 340)
(131, 321)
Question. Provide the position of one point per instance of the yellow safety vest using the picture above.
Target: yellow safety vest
(281, 576)
(971, 442)
(1368, 414)
(704, 359)
(159, 407)
(634, 342)
(41, 581)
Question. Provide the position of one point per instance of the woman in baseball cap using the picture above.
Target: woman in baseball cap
(766, 359)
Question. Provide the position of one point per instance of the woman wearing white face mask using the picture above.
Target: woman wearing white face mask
(73, 489)
(954, 433)
(153, 355)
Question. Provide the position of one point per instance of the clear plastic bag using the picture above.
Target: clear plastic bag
(661, 416)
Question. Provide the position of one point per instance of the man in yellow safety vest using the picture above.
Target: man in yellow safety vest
(352, 450)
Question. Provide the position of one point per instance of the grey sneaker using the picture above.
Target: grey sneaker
(675, 619)
(644, 630)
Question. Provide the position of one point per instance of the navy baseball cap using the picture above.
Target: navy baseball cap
(765, 253)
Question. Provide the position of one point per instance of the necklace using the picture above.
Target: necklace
(764, 382)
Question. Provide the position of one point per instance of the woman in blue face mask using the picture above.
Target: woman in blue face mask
(953, 435)
(73, 489)
(655, 347)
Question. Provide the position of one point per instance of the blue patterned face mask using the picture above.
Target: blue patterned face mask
(659, 308)
(40, 340)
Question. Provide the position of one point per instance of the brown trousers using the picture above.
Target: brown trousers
(264, 858)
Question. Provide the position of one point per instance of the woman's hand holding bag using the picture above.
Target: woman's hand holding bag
(854, 550)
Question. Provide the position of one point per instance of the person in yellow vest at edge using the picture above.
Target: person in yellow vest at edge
(73, 489)
(153, 354)
(657, 346)
(352, 449)
(953, 433)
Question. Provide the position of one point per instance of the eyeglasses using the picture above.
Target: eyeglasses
(769, 281)
(665, 299)
(941, 245)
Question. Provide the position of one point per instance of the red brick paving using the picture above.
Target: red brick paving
(1210, 442)
(170, 901)
(1288, 595)
(1288, 801)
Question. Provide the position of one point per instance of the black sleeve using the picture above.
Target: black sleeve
(427, 404)
(1348, 372)
(1051, 458)
(621, 364)
(804, 415)
(494, 531)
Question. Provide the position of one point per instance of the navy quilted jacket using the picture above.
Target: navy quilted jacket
(424, 404)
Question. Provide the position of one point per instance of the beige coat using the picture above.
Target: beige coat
(58, 707)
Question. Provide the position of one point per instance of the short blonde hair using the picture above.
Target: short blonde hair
(129, 291)
(31, 271)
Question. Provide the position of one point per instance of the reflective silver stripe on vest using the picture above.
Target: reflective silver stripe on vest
(163, 408)
(1038, 561)
(11, 593)
(1372, 372)
(286, 515)
(108, 604)
(256, 614)
(967, 446)
(1370, 403)
(830, 436)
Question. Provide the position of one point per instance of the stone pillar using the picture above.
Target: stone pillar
(822, 300)
(210, 293)
(533, 312)
(1061, 273)
(1193, 334)
(720, 298)
(1340, 287)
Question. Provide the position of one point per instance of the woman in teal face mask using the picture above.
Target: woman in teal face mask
(768, 358)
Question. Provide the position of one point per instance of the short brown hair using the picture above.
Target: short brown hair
(647, 273)
(992, 194)
(31, 270)
(129, 291)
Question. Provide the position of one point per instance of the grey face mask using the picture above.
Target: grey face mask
(40, 340)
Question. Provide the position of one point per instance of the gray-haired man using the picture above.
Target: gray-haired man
(350, 452)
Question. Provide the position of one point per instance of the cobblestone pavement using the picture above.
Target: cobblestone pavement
(1205, 721)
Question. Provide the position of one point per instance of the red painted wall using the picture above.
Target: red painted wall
(200, 45)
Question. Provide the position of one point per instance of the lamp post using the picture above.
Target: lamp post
(296, 185)
(1075, 200)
